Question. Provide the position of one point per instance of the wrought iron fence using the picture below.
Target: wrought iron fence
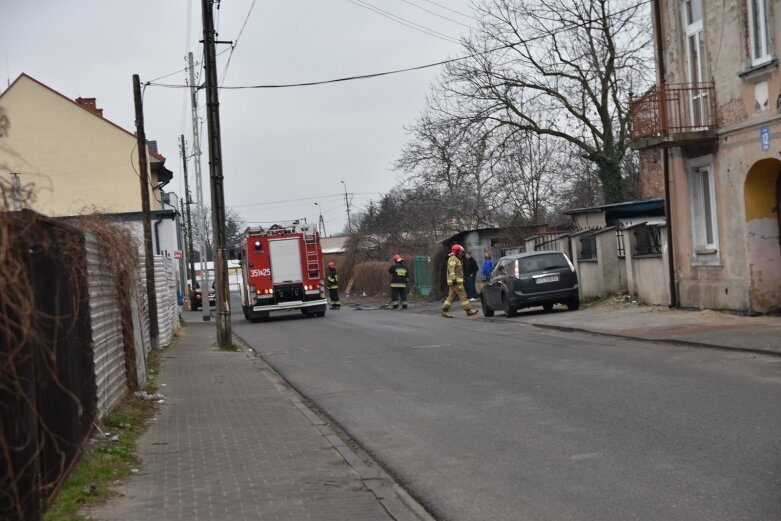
(648, 240)
(620, 248)
(546, 242)
(674, 108)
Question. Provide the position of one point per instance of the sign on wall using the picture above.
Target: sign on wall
(764, 138)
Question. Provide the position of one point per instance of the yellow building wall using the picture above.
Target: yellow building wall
(77, 161)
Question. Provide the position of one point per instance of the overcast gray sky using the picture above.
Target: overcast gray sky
(278, 144)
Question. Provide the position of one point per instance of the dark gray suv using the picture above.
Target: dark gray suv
(542, 278)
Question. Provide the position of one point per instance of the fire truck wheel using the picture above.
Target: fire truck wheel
(246, 312)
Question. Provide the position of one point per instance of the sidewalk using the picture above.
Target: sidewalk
(705, 328)
(619, 318)
(234, 442)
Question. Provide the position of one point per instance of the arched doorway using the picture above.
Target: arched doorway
(762, 192)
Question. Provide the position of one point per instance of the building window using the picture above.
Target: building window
(695, 50)
(759, 37)
(702, 194)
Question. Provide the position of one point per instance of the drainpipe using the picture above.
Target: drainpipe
(665, 156)
(157, 234)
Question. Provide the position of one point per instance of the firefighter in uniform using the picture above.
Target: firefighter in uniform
(455, 281)
(399, 277)
(333, 285)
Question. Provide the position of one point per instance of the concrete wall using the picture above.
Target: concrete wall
(77, 160)
(607, 256)
(589, 279)
(590, 274)
(648, 278)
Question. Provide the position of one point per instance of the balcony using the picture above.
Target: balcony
(674, 115)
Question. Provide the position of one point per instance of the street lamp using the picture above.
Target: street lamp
(321, 221)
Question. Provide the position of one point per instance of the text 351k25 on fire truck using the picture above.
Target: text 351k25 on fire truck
(282, 269)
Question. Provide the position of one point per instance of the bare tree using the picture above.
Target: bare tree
(559, 68)
(530, 172)
(234, 231)
(448, 156)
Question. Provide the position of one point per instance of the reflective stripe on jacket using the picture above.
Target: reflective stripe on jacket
(399, 275)
(333, 279)
(455, 270)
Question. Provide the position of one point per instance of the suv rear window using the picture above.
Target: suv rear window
(548, 261)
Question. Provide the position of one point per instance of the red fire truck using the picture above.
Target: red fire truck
(282, 269)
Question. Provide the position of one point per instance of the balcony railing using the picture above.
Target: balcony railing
(674, 113)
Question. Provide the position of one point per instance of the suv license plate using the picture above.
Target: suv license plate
(549, 278)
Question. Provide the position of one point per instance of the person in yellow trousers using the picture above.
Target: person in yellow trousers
(455, 281)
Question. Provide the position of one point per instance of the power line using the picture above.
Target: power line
(198, 63)
(437, 14)
(410, 69)
(337, 80)
(301, 199)
(449, 9)
(404, 21)
(236, 42)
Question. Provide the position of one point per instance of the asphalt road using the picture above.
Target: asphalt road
(496, 420)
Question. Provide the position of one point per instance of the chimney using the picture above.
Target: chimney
(90, 104)
(152, 144)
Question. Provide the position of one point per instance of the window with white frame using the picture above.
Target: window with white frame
(758, 32)
(695, 51)
(702, 194)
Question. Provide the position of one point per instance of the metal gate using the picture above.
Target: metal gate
(422, 274)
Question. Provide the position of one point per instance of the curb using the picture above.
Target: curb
(396, 501)
(674, 341)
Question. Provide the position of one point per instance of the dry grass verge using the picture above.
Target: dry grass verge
(111, 454)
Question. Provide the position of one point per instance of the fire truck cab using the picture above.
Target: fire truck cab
(282, 270)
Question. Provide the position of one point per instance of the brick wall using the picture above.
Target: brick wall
(650, 182)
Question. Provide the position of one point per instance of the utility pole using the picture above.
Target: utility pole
(151, 294)
(347, 203)
(201, 217)
(16, 187)
(321, 222)
(188, 202)
(222, 295)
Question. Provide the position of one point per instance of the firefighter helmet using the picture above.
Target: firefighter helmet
(396, 258)
(332, 264)
(456, 249)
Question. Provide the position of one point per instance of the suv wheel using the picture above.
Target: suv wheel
(487, 310)
(573, 304)
(509, 309)
(548, 306)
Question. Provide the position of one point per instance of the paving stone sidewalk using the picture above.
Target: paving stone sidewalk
(232, 442)
(618, 317)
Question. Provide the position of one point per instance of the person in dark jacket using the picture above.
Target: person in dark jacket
(333, 285)
(399, 278)
(470, 270)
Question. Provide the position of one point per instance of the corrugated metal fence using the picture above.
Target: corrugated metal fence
(107, 338)
(167, 309)
(61, 303)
